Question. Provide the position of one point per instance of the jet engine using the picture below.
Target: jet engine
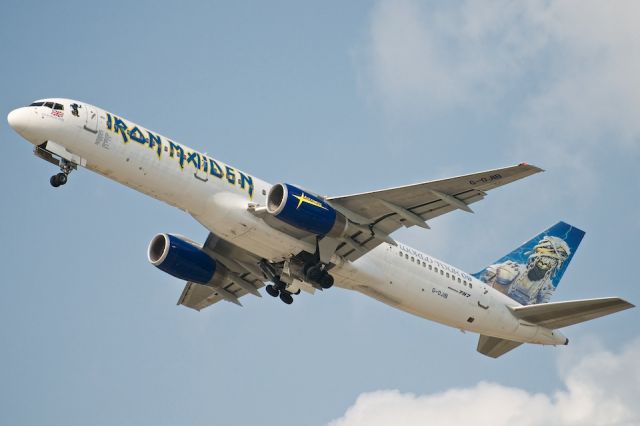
(305, 211)
(181, 258)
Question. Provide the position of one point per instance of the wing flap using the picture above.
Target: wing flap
(383, 210)
(392, 222)
(241, 276)
(562, 314)
(494, 347)
(197, 296)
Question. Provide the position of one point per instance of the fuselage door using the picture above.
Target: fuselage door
(92, 119)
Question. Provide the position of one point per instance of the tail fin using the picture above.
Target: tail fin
(531, 273)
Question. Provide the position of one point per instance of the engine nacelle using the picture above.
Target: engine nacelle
(305, 211)
(180, 258)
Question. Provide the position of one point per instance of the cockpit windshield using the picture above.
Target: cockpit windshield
(51, 105)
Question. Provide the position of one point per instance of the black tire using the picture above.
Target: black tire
(272, 291)
(286, 297)
(54, 181)
(326, 281)
(279, 285)
(62, 178)
(314, 274)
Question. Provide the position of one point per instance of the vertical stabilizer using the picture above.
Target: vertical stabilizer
(531, 273)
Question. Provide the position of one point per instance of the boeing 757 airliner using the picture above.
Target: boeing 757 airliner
(291, 239)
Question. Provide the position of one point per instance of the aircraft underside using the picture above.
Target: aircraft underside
(288, 239)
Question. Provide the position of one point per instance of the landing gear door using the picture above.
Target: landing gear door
(92, 119)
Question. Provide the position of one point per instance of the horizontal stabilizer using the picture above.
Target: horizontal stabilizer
(495, 347)
(562, 314)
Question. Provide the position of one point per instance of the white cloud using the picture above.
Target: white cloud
(565, 74)
(600, 389)
(443, 56)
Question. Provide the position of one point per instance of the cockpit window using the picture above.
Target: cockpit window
(51, 105)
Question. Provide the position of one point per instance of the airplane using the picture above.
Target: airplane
(289, 239)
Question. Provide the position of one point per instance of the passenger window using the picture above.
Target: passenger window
(430, 267)
(470, 286)
(49, 104)
(464, 283)
(436, 270)
(424, 265)
(406, 256)
(441, 272)
(447, 275)
(458, 280)
(400, 254)
(453, 278)
(412, 258)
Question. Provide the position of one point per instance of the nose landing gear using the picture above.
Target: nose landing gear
(62, 177)
(58, 180)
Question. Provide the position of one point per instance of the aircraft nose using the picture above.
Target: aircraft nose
(18, 120)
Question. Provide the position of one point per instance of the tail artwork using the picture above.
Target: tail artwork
(531, 273)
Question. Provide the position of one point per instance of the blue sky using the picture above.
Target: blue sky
(340, 97)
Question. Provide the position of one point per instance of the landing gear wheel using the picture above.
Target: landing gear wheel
(62, 178)
(58, 180)
(313, 273)
(272, 291)
(326, 281)
(286, 297)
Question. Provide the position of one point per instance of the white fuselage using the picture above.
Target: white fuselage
(217, 195)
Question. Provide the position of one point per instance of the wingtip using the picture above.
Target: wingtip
(536, 169)
(624, 303)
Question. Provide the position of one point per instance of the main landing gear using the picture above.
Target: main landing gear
(278, 289)
(62, 177)
(312, 273)
(317, 275)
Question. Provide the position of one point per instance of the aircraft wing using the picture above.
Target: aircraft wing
(383, 212)
(242, 276)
